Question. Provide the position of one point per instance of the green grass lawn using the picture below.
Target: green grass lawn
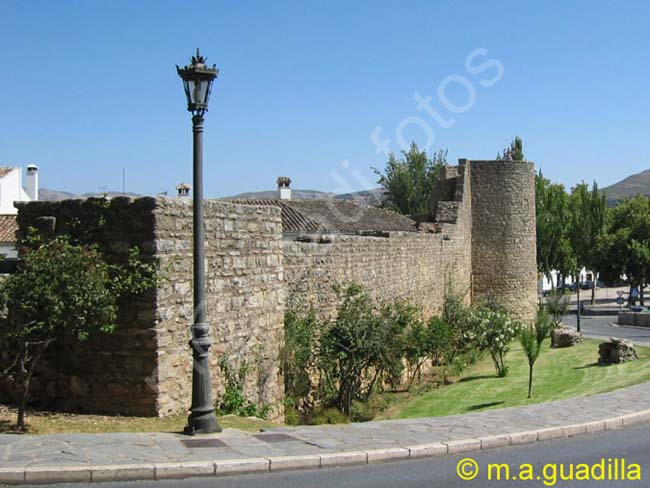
(559, 373)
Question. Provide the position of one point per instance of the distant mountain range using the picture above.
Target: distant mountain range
(629, 187)
(366, 197)
(56, 195)
(270, 194)
(372, 197)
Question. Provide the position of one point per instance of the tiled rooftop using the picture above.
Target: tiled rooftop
(333, 215)
(8, 228)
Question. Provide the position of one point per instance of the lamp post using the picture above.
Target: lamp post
(197, 81)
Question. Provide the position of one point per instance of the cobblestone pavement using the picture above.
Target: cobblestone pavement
(85, 450)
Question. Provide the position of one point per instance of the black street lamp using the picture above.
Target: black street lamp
(197, 81)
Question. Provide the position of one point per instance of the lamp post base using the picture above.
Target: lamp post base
(202, 418)
(202, 423)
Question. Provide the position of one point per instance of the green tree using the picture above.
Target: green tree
(531, 341)
(62, 288)
(427, 342)
(625, 247)
(587, 224)
(398, 318)
(463, 338)
(552, 209)
(514, 152)
(358, 347)
(410, 181)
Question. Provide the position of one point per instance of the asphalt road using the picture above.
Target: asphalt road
(605, 327)
(632, 444)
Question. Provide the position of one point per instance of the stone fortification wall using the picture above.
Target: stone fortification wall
(144, 367)
(245, 298)
(109, 372)
(503, 235)
(413, 266)
(479, 238)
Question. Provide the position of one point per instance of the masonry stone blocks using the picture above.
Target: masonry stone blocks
(479, 238)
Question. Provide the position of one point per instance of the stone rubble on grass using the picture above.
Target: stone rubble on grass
(565, 337)
(616, 351)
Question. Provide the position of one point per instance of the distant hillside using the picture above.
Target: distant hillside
(370, 198)
(270, 194)
(629, 187)
(56, 195)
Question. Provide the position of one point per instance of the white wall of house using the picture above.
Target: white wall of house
(11, 190)
(8, 250)
(585, 275)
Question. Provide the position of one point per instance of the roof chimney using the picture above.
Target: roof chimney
(284, 189)
(32, 182)
(183, 190)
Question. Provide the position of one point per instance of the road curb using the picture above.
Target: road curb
(159, 471)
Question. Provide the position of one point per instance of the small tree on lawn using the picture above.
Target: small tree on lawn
(531, 341)
(61, 288)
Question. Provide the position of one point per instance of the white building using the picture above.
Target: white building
(12, 190)
(545, 285)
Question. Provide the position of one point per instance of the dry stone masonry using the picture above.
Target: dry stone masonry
(565, 337)
(479, 238)
(616, 351)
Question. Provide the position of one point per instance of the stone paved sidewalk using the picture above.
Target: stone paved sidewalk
(96, 457)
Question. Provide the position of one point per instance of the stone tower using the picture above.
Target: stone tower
(504, 260)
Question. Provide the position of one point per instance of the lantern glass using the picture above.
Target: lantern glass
(200, 92)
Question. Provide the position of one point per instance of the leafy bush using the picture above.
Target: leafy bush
(457, 317)
(495, 331)
(366, 347)
(298, 355)
(398, 319)
(352, 348)
(233, 400)
(427, 342)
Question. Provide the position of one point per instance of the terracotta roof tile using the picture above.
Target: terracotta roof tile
(8, 228)
(292, 220)
(334, 215)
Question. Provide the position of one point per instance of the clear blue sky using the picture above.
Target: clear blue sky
(89, 88)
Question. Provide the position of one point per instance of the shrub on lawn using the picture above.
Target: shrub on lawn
(495, 330)
(341, 362)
